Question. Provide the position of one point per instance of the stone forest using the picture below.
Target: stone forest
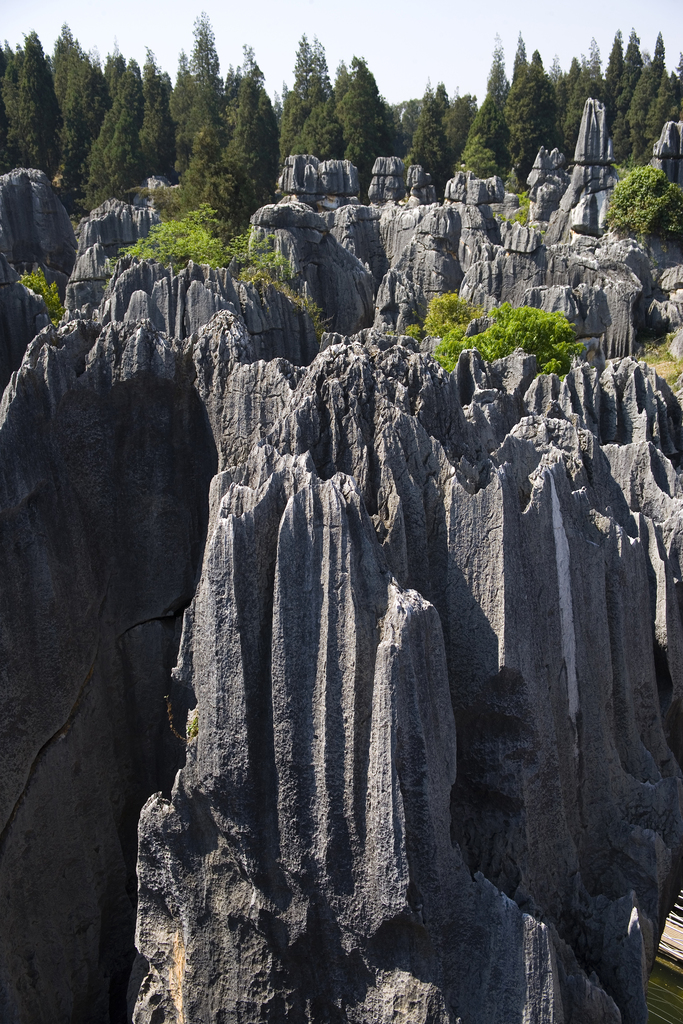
(341, 548)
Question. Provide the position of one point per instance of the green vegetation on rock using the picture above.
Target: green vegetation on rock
(548, 336)
(37, 282)
(646, 203)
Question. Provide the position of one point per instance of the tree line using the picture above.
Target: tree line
(98, 129)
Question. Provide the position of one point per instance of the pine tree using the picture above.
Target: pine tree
(205, 69)
(613, 77)
(116, 160)
(640, 111)
(84, 104)
(309, 121)
(489, 132)
(520, 58)
(157, 135)
(6, 162)
(365, 120)
(665, 108)
(254, 145)
(182, 104)
(214, 178)
(32, 111)
(405, 117)
(457, 123)
(621, 129)
(498, 86)
(430, 145)
(531, 115)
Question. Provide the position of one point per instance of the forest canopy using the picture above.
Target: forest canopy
(99, 128)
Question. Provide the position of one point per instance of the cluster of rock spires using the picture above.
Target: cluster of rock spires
(668, 152)
(337, 687)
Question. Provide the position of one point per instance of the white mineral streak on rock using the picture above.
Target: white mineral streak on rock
(564, 584)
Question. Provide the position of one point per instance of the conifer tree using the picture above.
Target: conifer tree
(488, 135)
(640, 119)
(457, 123)
(430, 145)
(520, 58)
(254, 144)
(205, 69)
(613, 77)
(84, 105)
(157, 135)
(5, 156)
(531, 115)
(32, 108)
(116, 160)
(365, 120)
(621, 129)
(182, 104)
(498, 86)
(309, 121)
(406, 115)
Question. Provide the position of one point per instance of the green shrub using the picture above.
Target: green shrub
(548, 336)
(447, 318)
(522, 215)
(176, 242)
(647, 203)
(38, 284)
(193, 237)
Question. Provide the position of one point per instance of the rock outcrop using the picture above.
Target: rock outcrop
(337, 687)
(179, 304)
(548, 182)
(322, 184)
(583, 207)
(668, 152)
(101, 236)
(419, 185)
(323, 270)
(361, 606)
(387, 185)
(35, 230)
(22, 315)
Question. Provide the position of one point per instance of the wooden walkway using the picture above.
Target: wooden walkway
(671, 943)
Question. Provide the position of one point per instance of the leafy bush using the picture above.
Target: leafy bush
(176, 242)
(38, 284)
(646, 202)
(522, 215)
(447, 318)
(193, 237)
(548, 336)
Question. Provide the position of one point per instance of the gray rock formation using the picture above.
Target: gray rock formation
(604, 287)
(179, 304)
(114, 225)
(106, 462)
(22, 316)
(35, 230)
(387, 184)
(101, 236)
(668, 152)
(547, 182)
(322, 184)
(88, 279)
(324, 826)
(432, 774)
(323, 270)
(583, 207)
(419, 184)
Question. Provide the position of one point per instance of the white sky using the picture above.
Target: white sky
(404, 43)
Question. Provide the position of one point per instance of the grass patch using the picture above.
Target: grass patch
(657, 355)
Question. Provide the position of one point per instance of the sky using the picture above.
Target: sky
(405, 44)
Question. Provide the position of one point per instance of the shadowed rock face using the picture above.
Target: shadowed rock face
(22, 315)
(34, 226)
(668, 152)
(428, 625)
